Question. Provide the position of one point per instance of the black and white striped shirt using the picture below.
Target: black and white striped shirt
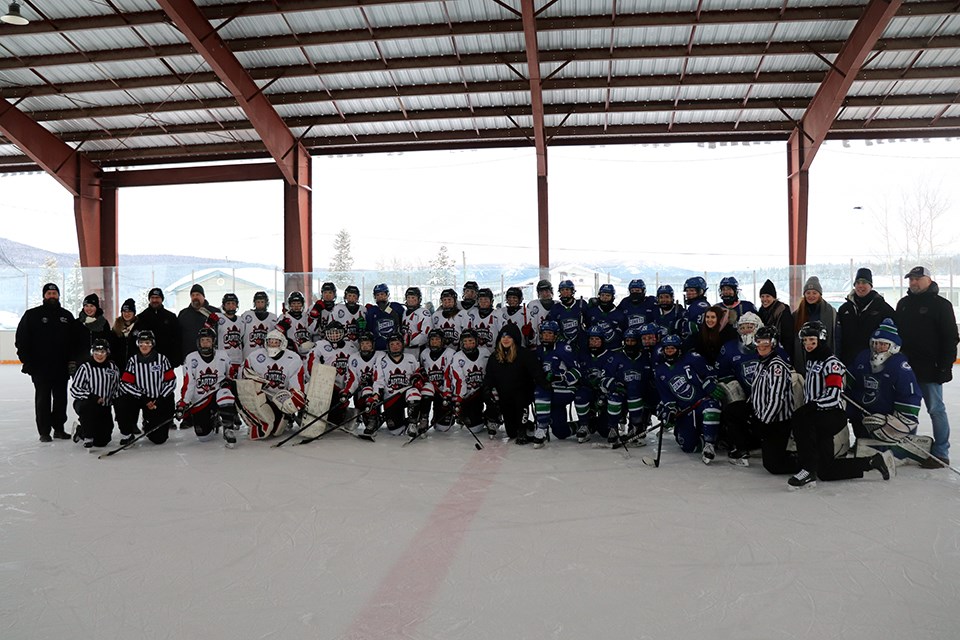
(100, 380)
(772, 392)
(824, 382)
(148, 377)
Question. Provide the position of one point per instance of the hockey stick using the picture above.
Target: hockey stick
(904, 442)
(337, 427)
(308, 425)
(145, 433)
(655, 462)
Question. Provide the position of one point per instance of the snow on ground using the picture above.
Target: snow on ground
(348, 539)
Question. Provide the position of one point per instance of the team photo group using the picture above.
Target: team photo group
(787, 385)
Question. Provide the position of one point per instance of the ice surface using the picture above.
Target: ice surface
(348, 539)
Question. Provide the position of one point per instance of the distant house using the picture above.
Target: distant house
(217, 281)
(585, 280)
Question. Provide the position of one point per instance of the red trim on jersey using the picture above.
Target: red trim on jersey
(834, 380)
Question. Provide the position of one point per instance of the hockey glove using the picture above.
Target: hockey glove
(667, 411)
(717, 393)
(874, 421)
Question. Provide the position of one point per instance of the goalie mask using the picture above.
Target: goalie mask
(884, 342)
(747, 326)
(334, 332)
(275, 343)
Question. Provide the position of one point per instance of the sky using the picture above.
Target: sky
(697, 206)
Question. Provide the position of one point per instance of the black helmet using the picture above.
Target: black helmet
(351, 289)
(469, 333)
(485, 293)
(448, 293)
(413, 291)
(99, 344)
(544, 285)
(470, 285)
(231, 297)
(261, 295)
(147, 336)
(515, 291)
(206, 332)
(296, 296)
(813, 329)
(328, 286)
(766, 333)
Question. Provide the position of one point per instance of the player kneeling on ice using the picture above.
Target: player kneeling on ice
(464, 384)
(270, 387)
(512, 373)
(770, 406)
(359, 385)
(688, 392)
(434, 361)
(401, 385)
(333, 351)
(886, 388)
(95, 384)
(206, 398)
(636, 377)
(552, 397)
(600, 396)
(820, 420)
(146, 386)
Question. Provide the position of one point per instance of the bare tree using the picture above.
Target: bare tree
(913, 228)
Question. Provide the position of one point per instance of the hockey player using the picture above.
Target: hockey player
(464, 382)
(537, 310)
(399, 383)
(256, 323)
(147, 386)
(416, 323)
(95, 385)
(513, 312)
(469, 299)
(600, 393)
(884, 384)
(569, 314)
(820, 420)
(685, 383)
(322, 311)
(270, 388)
(334, 350)
(450, 319)
(434, 361)
(650, 335)
(771, 402)
(550, 401)
(729, 291)
(230, 328)
(206, 398)
(736, 368)
(359, 384)
(350, 314)
(637, 308)
(604, 314)
(482, 319)
(695, 291)
(637, 380)
(669, 314)
(384, 318)
(297, 326)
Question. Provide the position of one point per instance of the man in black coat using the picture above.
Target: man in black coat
(859, 317)
(928, 328)
(166, 329)
(46, 341)
(198, 314)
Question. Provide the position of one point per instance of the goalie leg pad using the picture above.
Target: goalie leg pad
(732, 392)
(255, 409)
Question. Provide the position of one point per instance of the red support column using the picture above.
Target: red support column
(797, 196)
(297, 229)
(529, 17)
(109, 248)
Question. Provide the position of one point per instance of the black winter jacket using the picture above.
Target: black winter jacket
(928, 329)
(779, 316)
(857, 319)
(165, 329)
(46, 341)
(514, 381)
(191, 321)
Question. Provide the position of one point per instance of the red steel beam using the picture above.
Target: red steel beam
(298, 229)
(812, 130)
(194, 175)
(529, 18)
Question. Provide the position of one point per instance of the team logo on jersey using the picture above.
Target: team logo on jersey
(570, 327)
(257, 335)
(232, 337)
(302, 334)
(208, 380)
(385, 326)
(905, 366)
(871, 383)
(396, 379)
(484, 335)
(261, 357)
(275, 376)
(681, 387)
(474, 378)
(632, 375)
(750, 370)
(341, 361)
(156, 367)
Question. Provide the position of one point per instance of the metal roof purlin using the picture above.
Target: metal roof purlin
(277, 138)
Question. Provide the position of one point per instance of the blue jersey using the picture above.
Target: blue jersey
(670, 322)
(571, 321)
(382, 322)
(603, 370)
(560, 364)
(612, 322)
(892, 391)
(686, 381)
(638, 313)
(737, 310)
(693, 315)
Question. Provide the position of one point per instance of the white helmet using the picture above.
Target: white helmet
(751, 320)
(280, 341)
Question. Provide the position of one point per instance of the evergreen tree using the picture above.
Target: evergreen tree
(341, 264)
(73, 293)
(442, 272)
(49, 272)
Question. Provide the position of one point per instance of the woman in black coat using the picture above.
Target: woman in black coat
(513, 372)
(90, 325)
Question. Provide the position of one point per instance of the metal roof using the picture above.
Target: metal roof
(120, 81)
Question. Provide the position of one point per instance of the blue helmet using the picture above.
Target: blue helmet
(672, 340)
(381, 288)
(729, 281)
(649, 329)
(632, 333)
(696, 282)
(637, 284)
(597, 331)
(566, 284)
(607, 288)
(549, 325)
(665, 289)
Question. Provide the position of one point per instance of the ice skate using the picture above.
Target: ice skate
(539, 438)
(229, 437)
(708, 453)
(739, 458)
(583, 433)
(885, 463)
(802, 479)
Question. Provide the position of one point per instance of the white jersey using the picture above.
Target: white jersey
(202, 379)
(298, 330)
(337, 356)
(285, 372)
(518, 317)
(255, 330)
(360, 372)
(536, 314)
(435, 368)
(320, 316)
(451, 326)
(465, 375)
(391, 378)
(415, 325)
(230, 337)
(349, 319)
(484, 326)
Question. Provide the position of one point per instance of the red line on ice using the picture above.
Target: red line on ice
(404, 597)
